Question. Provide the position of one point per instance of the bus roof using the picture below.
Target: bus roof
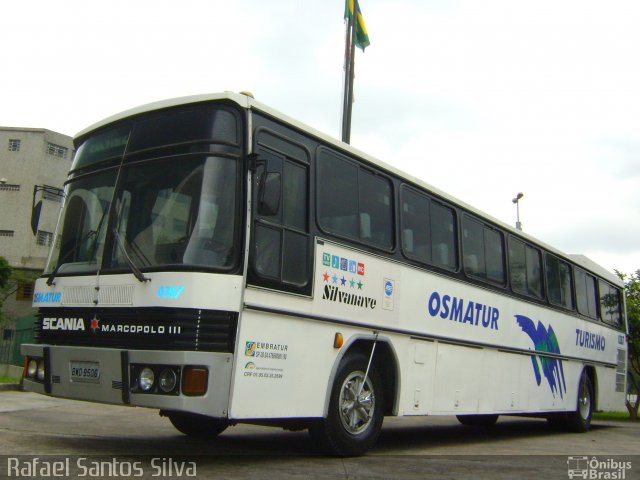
(248, 102)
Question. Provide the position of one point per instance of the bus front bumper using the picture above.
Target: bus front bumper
(196, 382)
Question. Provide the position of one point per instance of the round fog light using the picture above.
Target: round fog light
(32, 368)
(40, 373)
(146, 379)
(167, 380)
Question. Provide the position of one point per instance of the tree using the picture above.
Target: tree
(11, 279)
(17, 278)
(632, 295)
(5, 272)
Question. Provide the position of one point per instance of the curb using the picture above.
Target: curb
(10, 387)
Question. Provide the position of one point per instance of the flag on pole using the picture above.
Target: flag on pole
(356, 36)
(361, 37)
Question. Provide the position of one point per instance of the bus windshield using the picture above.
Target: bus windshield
(176, 211)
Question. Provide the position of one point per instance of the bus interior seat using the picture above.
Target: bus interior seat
(441, 254)
(407, 240)
(471, 263)
(365, 226)
(340, 224)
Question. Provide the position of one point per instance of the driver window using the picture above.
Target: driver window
(280, 247)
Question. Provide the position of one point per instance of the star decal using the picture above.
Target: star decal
(95, 323)
(334, 279)
(325, 276)
(352, 283)
(343, 281)
(360, 284)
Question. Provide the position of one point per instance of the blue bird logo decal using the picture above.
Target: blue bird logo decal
(544, 340)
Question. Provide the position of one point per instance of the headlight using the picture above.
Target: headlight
(167, 381)
(40, 372)
(32, 368)
(154, 379)
(146, 379)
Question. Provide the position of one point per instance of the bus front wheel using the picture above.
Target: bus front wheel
(195, 425)
(355, 415)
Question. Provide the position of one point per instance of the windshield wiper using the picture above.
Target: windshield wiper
(86, 237)
(134, 269)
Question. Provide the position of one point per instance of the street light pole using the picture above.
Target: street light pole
(517, 202)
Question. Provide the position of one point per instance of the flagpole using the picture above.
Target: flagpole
(349, 61)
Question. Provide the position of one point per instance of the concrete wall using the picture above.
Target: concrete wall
(7, 370)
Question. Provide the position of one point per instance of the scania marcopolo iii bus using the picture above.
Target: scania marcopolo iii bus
(223, 263)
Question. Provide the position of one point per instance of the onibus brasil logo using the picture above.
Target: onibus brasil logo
(595, 468)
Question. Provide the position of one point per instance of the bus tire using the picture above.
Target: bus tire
(195, 425)
(579, 421)
(353, 422)
(478, 420)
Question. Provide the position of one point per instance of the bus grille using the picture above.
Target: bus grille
(107, 294)
(152, 328)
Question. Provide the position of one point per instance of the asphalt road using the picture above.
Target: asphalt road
(112, 437)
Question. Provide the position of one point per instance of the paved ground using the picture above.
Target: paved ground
(436, 447)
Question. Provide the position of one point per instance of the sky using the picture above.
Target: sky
(482, 99)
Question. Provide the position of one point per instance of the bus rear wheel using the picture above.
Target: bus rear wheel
(579, 421)
(477, 420)
(355, 415)
(195, 425)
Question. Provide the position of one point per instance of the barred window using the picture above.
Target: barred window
(57, 150)
(14, 145)
(9, 187)
(25, 292)
(6, 233)
(44, 238)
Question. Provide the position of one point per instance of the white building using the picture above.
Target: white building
(30, 158)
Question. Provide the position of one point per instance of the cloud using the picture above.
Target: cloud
(481, 99)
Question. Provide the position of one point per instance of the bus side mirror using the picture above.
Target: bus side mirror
(269, 193)
(35, 216)
(49, 192)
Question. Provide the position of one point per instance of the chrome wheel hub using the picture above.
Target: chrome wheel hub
(584, 400)
(357, 403)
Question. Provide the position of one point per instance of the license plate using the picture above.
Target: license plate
(85, 372)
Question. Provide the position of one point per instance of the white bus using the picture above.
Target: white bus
(223, 263)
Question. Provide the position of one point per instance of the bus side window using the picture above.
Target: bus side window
(416, 234)
(428, 230)
(483, 251)
(354, 202)
(586, 298)
(525, 268)
(443, 228)
(610, 310)
(376, 217)
(534, 272)
(559, 282)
